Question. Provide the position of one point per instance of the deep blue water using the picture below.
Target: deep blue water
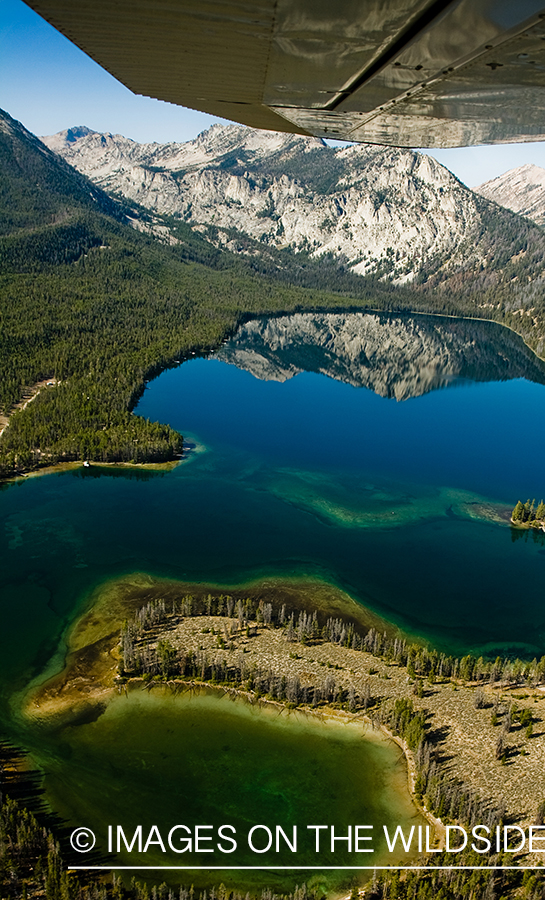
(468, 435)
(307, 477)
(399, 503)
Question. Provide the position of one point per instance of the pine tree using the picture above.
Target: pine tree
(518, 512)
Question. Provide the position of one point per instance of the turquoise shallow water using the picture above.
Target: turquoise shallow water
(211, 761)
(309, 476)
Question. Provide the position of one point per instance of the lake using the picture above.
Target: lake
(205, 760)
(381, 454)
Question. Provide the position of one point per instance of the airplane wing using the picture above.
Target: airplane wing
(411, 73)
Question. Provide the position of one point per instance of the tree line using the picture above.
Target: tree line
(445, 797)
(458, 884)
(304, 626)
(528, 513)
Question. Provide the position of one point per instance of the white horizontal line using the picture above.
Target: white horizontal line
(317, 868)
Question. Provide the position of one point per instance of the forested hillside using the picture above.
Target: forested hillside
(90, 302)
(339, 218)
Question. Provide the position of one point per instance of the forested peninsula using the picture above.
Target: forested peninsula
(97, 308)
(471, 729)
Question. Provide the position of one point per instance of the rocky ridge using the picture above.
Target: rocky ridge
(382, 210)
(521, 190)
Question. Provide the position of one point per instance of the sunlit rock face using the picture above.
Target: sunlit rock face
(381, 210)
(522, 190)
(394, 356)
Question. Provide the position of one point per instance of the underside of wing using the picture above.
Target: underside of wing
(410, 73)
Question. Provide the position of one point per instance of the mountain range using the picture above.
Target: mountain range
(166, 249)
(304, 209)
(369, 206)
(380, 210)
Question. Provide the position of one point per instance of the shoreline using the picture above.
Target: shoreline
(71, 466)
(463, 732)
(192, 448)
(536, 525)
(157, 370)
(117, 599)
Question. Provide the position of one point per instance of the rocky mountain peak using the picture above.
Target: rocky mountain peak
(392, 215)
(379, 209)
(521, 190)
(219, 140)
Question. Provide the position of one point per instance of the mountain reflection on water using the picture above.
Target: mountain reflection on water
(396, 356)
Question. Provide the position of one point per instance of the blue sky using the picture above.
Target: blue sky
(48, 84)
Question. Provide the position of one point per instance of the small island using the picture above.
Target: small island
(528, 515)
